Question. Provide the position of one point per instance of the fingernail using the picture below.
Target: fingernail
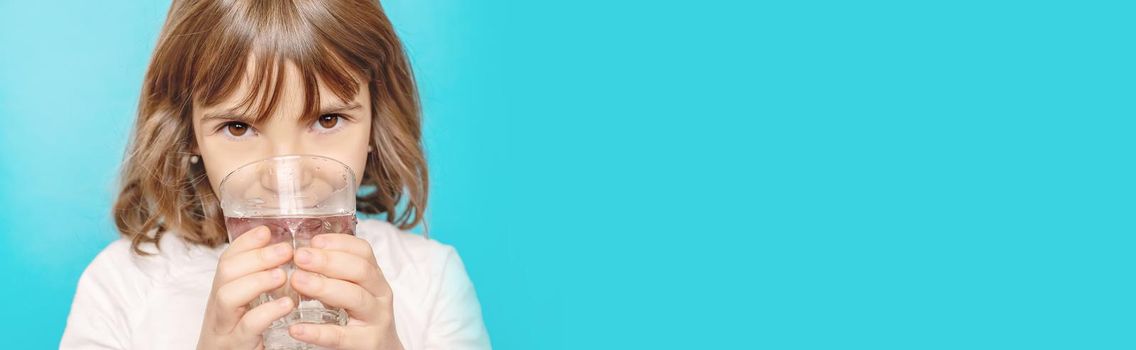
(277, 275)
(283, 301)
(298, 329)
(303, 256)
(317, 242)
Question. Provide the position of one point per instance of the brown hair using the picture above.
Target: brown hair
(202, 54)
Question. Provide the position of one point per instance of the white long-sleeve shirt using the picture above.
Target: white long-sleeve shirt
(127, 301)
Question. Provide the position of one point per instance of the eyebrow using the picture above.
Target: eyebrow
(234, 114)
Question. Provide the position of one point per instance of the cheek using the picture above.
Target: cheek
(348, 147)
(221, 157)
(218, 165)
(356, 156)
(351, 149)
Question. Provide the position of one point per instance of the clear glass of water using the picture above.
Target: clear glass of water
(297, 197)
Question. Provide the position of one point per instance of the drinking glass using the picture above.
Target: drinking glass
(297, 197)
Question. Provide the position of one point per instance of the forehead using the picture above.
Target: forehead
(265, 86)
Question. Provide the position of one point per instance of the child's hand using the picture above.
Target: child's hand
(354, 282)
(246, 269)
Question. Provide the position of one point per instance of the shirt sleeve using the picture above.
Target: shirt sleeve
(455, 321)
(98, 312)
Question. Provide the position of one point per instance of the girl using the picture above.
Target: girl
(233, 81)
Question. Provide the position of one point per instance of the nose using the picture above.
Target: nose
(285, 144)
(287, 180)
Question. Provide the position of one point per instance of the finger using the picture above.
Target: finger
(359, 303)
(345, 243)
(331, 336)
(257, 320)
(232, 298)
(344, 266)
(259, 259)
(255, 238)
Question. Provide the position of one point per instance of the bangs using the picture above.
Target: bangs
(256, 40)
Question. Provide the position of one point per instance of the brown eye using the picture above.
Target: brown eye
(328, 121)
(236, 129)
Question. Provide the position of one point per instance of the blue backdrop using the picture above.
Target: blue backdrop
(666, 174)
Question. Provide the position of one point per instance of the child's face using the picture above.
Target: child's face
(226, 140)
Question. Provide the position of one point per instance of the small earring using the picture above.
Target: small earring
(369, 148)
(194, 159)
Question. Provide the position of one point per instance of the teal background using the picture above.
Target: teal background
(665, 174)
